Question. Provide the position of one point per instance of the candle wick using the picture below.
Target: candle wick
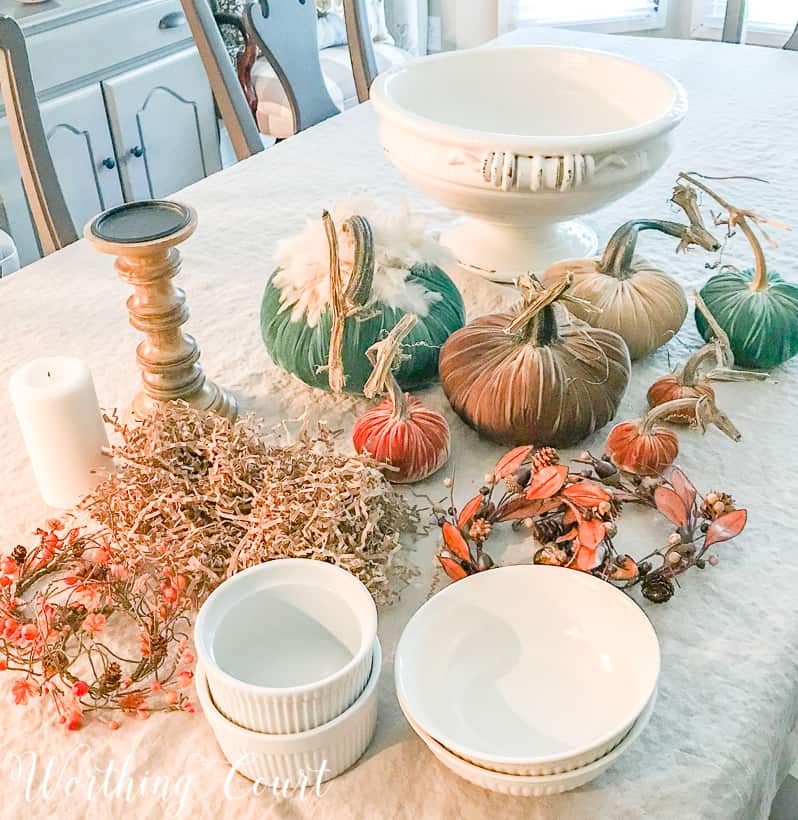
(49, 375)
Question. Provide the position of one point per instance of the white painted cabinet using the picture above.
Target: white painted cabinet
(80, 143)
(126, 106)
(164, 126)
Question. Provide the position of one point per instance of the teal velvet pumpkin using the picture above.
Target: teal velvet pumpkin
(302, 346)
(759, 313)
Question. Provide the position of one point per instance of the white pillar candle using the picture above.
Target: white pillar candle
(62, 426)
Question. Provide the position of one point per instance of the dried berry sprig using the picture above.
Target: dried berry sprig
(572, 516)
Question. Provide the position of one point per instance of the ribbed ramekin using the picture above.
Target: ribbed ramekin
(316, 755)
(532, 785)
(257, 617)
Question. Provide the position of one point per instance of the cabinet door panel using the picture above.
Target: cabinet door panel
(80, 143)
(164, 125)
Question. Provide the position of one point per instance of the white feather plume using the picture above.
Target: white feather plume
(401, 240)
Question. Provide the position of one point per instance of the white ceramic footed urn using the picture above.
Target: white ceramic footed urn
(521, 140)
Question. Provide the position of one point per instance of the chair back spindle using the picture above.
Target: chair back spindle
(46, 200)
(225, 84)
(361, 48)
(286, 33)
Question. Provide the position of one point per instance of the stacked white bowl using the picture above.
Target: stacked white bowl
(289, 663)
(528, 680)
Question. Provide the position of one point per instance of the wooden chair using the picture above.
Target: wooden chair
(285, 31)
(734, 21)
(227, 88)
(734, 25)
(47, 204)
(361, 47)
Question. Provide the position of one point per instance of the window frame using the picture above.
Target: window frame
(650, 21)
(703, 27)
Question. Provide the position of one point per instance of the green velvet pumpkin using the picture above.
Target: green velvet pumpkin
(758, 312)
(302, 346)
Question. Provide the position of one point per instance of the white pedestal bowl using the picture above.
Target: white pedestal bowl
(523, 139)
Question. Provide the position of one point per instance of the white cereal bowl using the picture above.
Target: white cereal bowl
(318, 754)
(286, 645)
(521, 139)
(528, 670)
(530, 785)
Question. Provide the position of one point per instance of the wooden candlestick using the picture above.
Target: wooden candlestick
(143, 236)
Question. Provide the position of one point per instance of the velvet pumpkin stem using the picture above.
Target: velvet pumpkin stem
(737, 218)
(725, 370)
(536, 319)
(358, 288)
(383, 356)
(620, 250)
(346, 299)
(692, 365)
(704, 409)
(661, 412)
(727, 359)
(335, 364)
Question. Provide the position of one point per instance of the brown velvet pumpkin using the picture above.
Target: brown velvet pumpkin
(627, 295)
(524, 377)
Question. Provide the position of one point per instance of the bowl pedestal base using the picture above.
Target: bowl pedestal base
(502, 252)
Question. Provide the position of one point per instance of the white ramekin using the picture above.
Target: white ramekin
(532, 785)
(286, 645)
(468, 659)
(313, 756)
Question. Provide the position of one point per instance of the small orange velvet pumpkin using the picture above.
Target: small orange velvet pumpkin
(411, 439)
(684, 384)
(644, 447)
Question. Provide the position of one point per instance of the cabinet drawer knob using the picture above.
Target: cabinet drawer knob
(174, 19)
(137, 151)
(109, 163)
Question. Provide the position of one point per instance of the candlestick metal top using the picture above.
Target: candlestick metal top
(143, 235)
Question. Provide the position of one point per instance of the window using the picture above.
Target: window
(595, 15)
(769, 22)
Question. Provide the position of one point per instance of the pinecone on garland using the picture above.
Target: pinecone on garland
(658, 589)
(19, 554)
(716, 504)
(548, 530)
(110, 678)
(545, 457)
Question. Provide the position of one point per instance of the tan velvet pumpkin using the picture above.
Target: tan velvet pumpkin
(523, 377)
(626, 294)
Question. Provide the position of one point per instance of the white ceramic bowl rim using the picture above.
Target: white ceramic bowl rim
(225, 590)
(387, 106)
(502, 777)
(578, 577)
(208, 706)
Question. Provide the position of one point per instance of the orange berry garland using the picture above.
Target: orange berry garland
(58, 601)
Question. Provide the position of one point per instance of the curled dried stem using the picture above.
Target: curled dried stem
(745, 220)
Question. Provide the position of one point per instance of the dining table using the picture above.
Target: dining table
(722, 737)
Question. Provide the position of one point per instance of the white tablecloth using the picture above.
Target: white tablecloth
(720, 739)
